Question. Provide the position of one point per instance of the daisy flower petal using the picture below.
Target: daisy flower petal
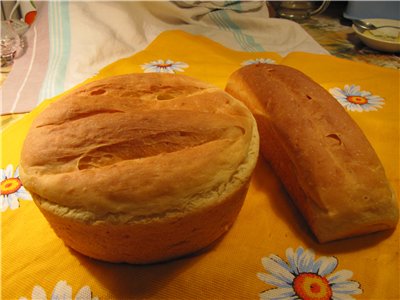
(38, 293)
(357, 107)
(298, 256)
(277, 270)
(278, 294)
(341, 297)
(2, 175)
(348, 287)
(337, 92)
(371, 108)
(290, 255)
(180, 64)
(374, 98)
(306, 261)
(3, 203)
(13, 202)
(352, 89)
(84, 293)
(8, 172)
(328, 264)
(339, 276)
(23, 194)
(280, 261)
(62, 291)
(161, 66)
(258, 61)
(272, 280)
(16, 173)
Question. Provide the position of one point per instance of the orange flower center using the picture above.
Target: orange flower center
(10, 185)
(164, 65)
(310, 286)
(357, 99)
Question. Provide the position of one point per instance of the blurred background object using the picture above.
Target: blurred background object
(21, 14)
(10, 43)
(372, 9)
(299, 10)
(18, 10)
(16, 17)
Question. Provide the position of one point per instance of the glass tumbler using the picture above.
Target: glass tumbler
(10, 43)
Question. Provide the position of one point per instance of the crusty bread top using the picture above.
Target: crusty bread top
(140, 144)
(333, 161)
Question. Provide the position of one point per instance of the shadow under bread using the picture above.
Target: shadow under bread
(139, 281)
(143, 281)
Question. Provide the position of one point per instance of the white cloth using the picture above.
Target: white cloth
(87, 36)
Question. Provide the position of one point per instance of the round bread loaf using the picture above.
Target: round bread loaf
(141, 168)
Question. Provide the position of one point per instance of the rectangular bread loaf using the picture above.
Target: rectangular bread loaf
(319, 153)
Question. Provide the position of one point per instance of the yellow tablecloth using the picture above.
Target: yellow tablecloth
(269, 240)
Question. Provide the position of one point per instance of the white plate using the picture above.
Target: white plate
(384, 39)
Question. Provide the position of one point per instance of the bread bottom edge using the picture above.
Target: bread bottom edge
(145, 243)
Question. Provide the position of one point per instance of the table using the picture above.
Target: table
(331, 30)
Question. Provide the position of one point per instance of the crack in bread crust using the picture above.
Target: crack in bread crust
(137, 142)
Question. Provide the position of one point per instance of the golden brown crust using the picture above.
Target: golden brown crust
(141, 243)
(137, 150)
(120, 129)
(321, 155)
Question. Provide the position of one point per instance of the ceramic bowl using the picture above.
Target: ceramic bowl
(384, 39)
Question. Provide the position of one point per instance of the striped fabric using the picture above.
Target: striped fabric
(223, 20)
(60, 41)
(71, 41)
(20, 90)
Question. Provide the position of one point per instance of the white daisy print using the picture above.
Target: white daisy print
(258, 61)
(305, 278)
(164, 66)
(11, 189)
(353, 99)
(62, 291)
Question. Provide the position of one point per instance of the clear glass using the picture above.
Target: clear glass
(10, 43)
(300, 10)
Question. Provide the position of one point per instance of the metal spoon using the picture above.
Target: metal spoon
(370, 26)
